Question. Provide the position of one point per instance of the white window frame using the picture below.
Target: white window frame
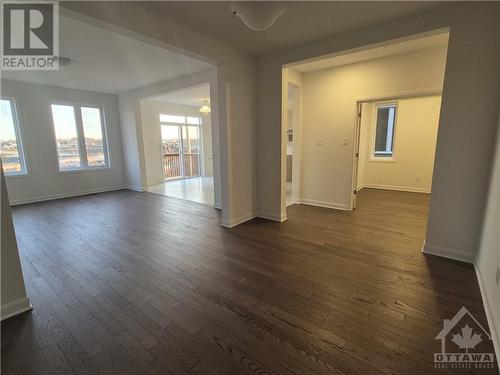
(185, 123)
(377, 158)
(77, 109)
(19, 140)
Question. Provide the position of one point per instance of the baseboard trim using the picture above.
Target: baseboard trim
(273, 217)
(490, 316)
(337, 206)
(446, 252)
(237, 221)
(139, 189)
(395, 187)
(15, 308)
(65, 195)
(218, 205)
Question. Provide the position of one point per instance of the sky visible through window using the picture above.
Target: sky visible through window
(10, 150)
(7, 132)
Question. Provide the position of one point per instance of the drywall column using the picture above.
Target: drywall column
(14, 298)
(466, 135)
(488, 260)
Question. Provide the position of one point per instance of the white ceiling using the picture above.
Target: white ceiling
(109, 62)
(193, 96)
(303, 21)
(439, 40)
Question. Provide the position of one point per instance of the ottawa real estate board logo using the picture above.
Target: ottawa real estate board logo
(30, 35)
(465, 344)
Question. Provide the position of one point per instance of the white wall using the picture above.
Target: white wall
(414, 146)
(44, 181)
(488, 260)
(13, 292)
(235, 88)
(150, 110)
(329, 116)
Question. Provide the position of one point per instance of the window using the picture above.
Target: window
(11, 148)
(80, 137)
(174, 119)
(384, 131)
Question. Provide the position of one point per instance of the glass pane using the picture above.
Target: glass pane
(171, 146)
(92, 131)
(172, 118)
(191, 150)
(384, 130)
(10, 147)
(68, 150)
(193, 120)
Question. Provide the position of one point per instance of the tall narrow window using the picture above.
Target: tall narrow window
(11, 148)
(92, 130)
(80, 136)
(384, 130)
(68, 147)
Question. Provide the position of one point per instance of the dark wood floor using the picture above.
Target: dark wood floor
(131, 283)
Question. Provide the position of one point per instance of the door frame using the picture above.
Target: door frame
(357, 125)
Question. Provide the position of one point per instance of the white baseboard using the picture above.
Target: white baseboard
(410, 189)
(490, 314)
(64, 195)
(15, 307)
(337, 206)
(270, 216)
(236, 221)
(139, 189)
(447, 252)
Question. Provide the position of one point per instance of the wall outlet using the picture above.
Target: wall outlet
(319, 142)
(345, 141)
(497, 278)
(417, 178)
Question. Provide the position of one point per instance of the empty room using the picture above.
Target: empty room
(250, 187)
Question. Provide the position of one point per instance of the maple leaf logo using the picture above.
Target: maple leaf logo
(466, 340)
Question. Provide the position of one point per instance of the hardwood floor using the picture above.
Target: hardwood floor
(140, 283)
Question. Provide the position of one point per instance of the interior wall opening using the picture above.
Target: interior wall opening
(179, 144)
(368, 121)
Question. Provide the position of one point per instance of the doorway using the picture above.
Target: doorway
(395, 143)
(181, 156)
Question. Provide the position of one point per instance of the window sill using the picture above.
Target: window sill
(16, 176)
(85, 170)
(382, 160)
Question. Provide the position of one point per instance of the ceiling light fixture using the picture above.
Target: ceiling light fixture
(258, 15)
(205, 108)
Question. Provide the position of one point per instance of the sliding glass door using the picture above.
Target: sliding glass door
(181, 150)
(191, 150)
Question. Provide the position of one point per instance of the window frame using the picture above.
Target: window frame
(80, 133)
(18, 132)
(378, 158)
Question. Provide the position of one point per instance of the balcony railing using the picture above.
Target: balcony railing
(172, 165)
